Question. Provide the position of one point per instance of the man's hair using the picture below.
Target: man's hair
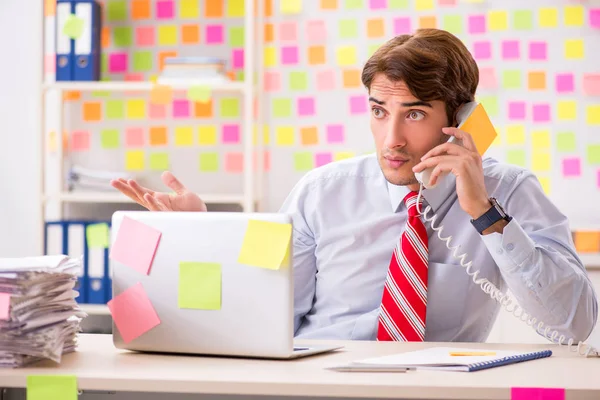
(434, 65)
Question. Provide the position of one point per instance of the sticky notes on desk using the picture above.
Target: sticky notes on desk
(265, 244)
(519, 393)
(51, 387)
(4, 306)
(135, 245)
(97, 235)
(199, 285)
(133, 312)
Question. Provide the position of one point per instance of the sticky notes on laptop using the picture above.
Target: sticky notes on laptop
(135, 245)
(51, 387)
(199, 285)
(266, 244)
(133, 312)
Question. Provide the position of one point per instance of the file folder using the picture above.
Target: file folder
(64, 44)
(86, 53)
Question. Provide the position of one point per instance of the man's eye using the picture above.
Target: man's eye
(416, 115)
(377, 113)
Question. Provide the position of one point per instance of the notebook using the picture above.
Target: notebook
(453, 359)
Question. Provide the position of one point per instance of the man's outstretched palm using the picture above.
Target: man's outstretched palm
(181, 200)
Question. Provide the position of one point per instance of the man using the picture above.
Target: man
(367, 267)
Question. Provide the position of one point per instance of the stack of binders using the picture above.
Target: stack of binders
(78, 59)
(39, 317)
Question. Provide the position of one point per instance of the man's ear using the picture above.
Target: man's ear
(454, 119)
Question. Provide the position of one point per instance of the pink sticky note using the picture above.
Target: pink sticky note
(5, 306)
(144, 36)
(571, 166)
(477, 24)
(322, 159)
(135, 245)
(516, 110)
(598, 179)
(181, 108)
(401, 25)
(537, 394)
(482, 50)
(591, 84)
(335, 134)
(80, 141)
(164, 9)
(595, 18)
(134, 137)
(288, 31)
(133, 312)
(564, 83)
(134, 77)
(231, 134)
(326, 80)
(272, 81)
(541, 112)
(358, 105)
(306, 106)
(510, 50)
(446, 3)
(117, 62)
(237, 58)
(538, 51)
(234, 162)
(487, 78)
(289, 55)
(315, 31)
(49, 63)
(214, 34)
(378, 4)
(157, 111)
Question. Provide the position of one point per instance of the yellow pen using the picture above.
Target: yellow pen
(473, 353)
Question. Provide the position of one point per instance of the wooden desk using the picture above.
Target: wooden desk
(99, 366)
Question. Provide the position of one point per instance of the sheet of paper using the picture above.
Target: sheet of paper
(348, 28)
(73, 26)
(133, 313)
(591, 84)
(326, 80)
(4, 306)
(536, 80)
(548, 17)
(523, 20)
(540, 139)
(199, 285)
(526, 393)
(237, 58)
(481, 129)
(235, 8)
(497, 20)
(51, 387)
(97, 235)
(574, 15)
(135, 245)
(511, 79)
(571, 166)
(188, 9)
(181, 108)
(230, 107)
(424, 5)
(265, 244)
(487, 78)
(402, 25)
(136, 109)
(158, 136)
(482, 50)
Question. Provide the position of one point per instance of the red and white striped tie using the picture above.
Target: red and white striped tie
(404, 301)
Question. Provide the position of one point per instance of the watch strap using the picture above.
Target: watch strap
(489, 218)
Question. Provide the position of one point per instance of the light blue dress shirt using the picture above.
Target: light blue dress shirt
(347, 219)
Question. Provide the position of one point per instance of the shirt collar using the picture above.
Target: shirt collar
(432, 197)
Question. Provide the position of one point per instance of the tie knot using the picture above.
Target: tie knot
(411, 204)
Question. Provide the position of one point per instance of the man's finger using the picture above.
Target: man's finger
(467, 140)
(439, 169)
(434, 161)
(124, 188)
(446, 148)
(152, 203)
(139, 190)
(173, 183)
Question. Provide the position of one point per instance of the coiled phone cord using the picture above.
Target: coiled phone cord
(495, 293)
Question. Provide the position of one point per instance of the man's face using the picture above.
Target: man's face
(404, 128)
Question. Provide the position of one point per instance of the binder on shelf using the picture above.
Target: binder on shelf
(86, 65)
(64, 44)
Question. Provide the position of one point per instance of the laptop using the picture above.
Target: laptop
(256, 312)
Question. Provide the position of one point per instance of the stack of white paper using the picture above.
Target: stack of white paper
(39, 317)
(80, 178)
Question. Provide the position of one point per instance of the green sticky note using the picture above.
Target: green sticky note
(453, 23)
(348, 28)
(73, 26)
(303, 161)
(100, 93)
(115, 109)
(97, 235)
(230, 107)
(593, 154)
(511, 79)
(209, 162)
(516, 157)
(199, 93)
(373, 48)
(266, 244)
(353, 4)
(51, 387)
(142, 61)
(523, 20)
(282, 108)
(104, 66)
(298, 80)
(122, 36)
(490, 104)
(199, 285)
(110, 138)
(398, 4)
(565, 142)
(159, 161)
(236, 36)
(116, 10)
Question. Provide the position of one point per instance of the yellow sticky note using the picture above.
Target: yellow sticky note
(290, 6)
(423, 5)
(188, 9)
(346, 55)
(342, 155)
(235, 8)
(97, 235)
(136, 109)
(184, 136)
(515, 134)
(207, 135)
(199, 285)
(134, 160)
(540, 161)
(548, 17)
(284, 135)
(567, 110)
(269, 56)
(545, 183)
(479, 126)
(161, 94)
(265, 244)
(574, 49)
(199, 93)
(574, 15)
(73, 26)
(587, 241)
(51, 387)
(540, 139)
(593, 115)
(167, 35)
(498, 20)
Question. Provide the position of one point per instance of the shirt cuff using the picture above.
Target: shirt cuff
(511, 247)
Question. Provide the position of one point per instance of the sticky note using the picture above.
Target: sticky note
(4, 306)
(490, 103)
(306, 106)
(181, 108)
(591, 84)
(199, 93)
(523, 20)
(342, 155)
(353, 4)
(566, 142)
(133, 313)
(375, 28)
(325, 80)
(290, 6)
(541, 112)
(571, 166)
(351, 78)
(164, 9)
(428, 22)
(157, 111)
(209, 162)
(73, 26)
(510, 50)
(516, 110)
(284, 135)
(80, 141)
(269, 56)
(214, 34)
(453, 23)
(377, 4)
(316, 32)
(487, 78)
(159, 161)
(574, 15)
(230, 107)
(272, 81)
(309, 135)
(548, 17)
(109, 138)
(114, 109)
(565, 83)
(199, 285)
(346, 55)
(167, 35)
(142, 61)
(303, 161)
(282, 108)
(481, 128)
(358, 105)
(538, 51)
(134, 137)
(161, 94)
(540, 161)
(135, 245)
(482, 50)
(289, 55)
(515, 134)
(516, 157)
(540, 139)
(348, 28)
(207, 135)
(536, 80)
(316, 55)
(236, 36)
(136, 109)
(234, 162)
(424, 5)
(402, 25)
(122, 36)
(213, 9)
(335, 133)
(235, 8)
(519, 393)
(144, 36)
(188, 9)
(51, 387)
(288, 31)
(116, 10)
(593, 114)
(231, 134)
(477, 24)
(511, 79)
(323, 159)
(265, 244)
(567, 110)
(594, 17)
(587, 242)
(92, 111)
(184, 136)
(593, 154)
(498, 20)
(574, 49)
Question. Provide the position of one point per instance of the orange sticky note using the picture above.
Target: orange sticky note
(158, 136)
(537, 80)
(5, 306)
(161, 94)
(479, 126)
(213, 9)
(92, 111)
(309, 135)
(135, 245)
(351, 78)
(375, 28)
(133, 312)
(587, 241)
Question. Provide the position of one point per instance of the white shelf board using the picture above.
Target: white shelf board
(139, 86)
(117, 197)
(95, 309)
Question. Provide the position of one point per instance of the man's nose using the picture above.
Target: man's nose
(394, 137)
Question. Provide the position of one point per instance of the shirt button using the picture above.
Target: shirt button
(510, 247)
(499, 251)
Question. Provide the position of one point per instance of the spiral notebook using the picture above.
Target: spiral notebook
(453, 359)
